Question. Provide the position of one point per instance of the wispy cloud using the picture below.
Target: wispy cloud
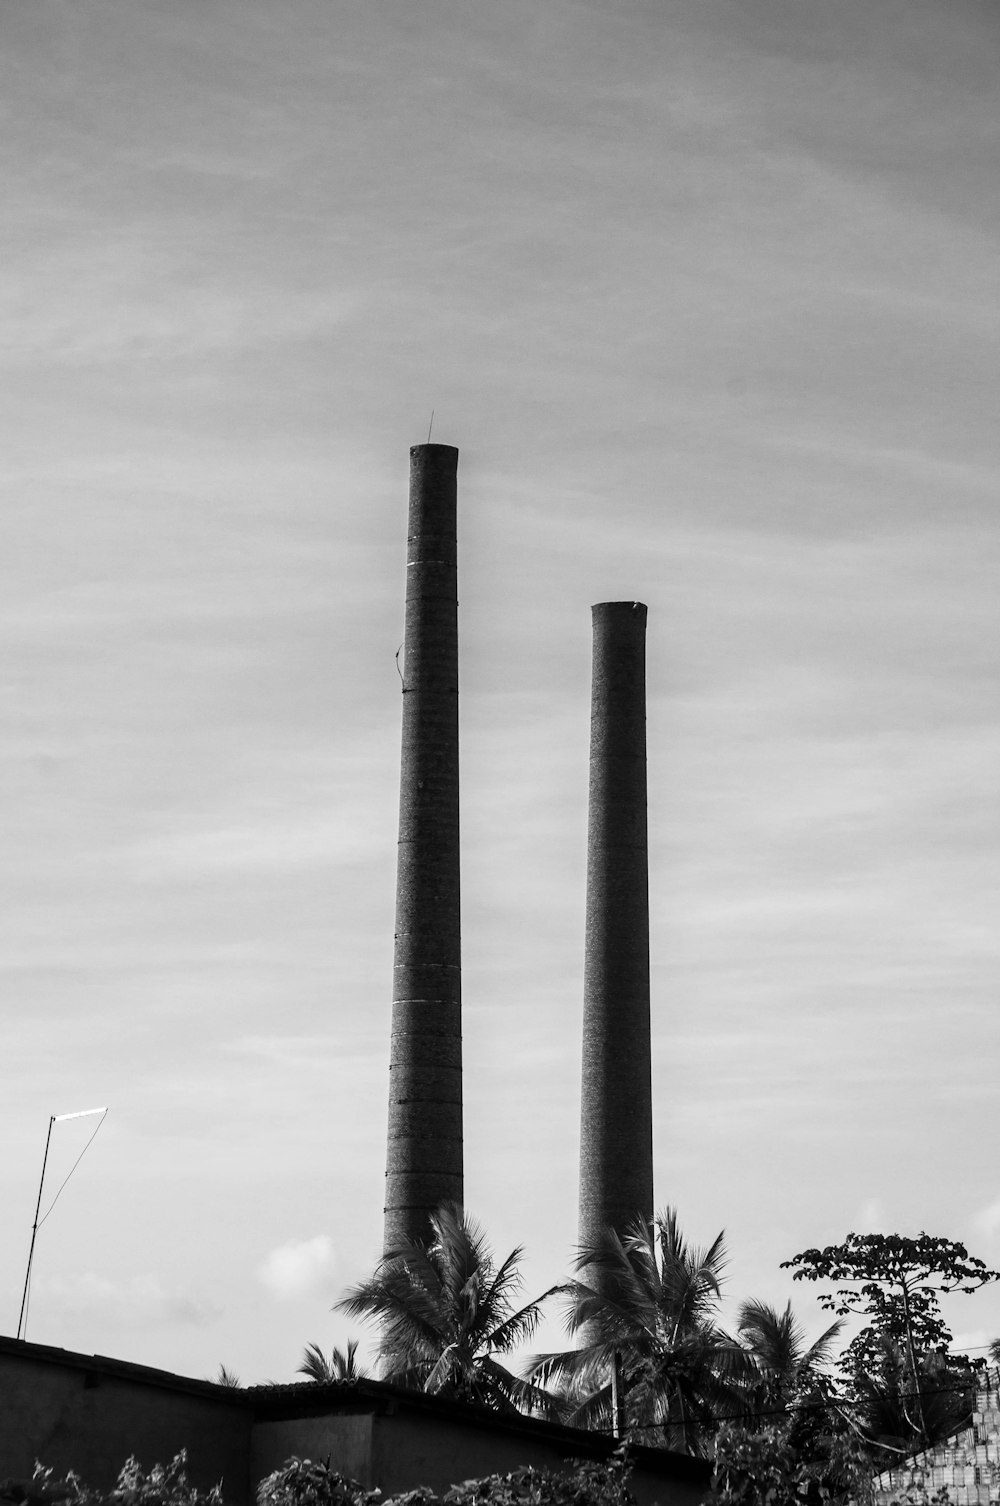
(285, 840)
(871, 1217)
(141, 1301)
(704, 293)
(987, 1220)
(301, 1268)
(313, 1052)
(130, 299)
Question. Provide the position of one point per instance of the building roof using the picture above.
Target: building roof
(312, 1398)
(105, 1365)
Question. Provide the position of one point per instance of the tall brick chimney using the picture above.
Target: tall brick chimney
(424, 1147)
(616, 1139)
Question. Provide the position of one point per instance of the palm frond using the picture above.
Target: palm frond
(342, 1364)
(624, 1270)
(582, 1368)
(314, 1364)
(777, 1342)
(820, 1353)
(444, 1308)
(651, 1298)
(594, 1409)
(505, 1281)
(517, 1328)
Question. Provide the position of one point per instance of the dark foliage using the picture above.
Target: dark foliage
(894, 1281)
(800, 1459)
(303, 1482)
(914, 1393)
(163, 1485)
(445, 1309)
(585, 1482)
(648, 1309)
(340, 1365)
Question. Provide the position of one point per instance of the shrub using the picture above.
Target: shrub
(164, 1485)
(777, 1466)
(301, 1482)
(589, 1482)
(304, 1482)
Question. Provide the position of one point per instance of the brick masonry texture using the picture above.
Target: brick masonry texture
(967, 1465)
(424, 1149)
(616, 1136)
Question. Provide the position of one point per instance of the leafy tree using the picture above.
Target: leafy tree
(647, 1314)
(898, 1416)
(226, 1377)
(794, 1460)
(802, 1458)
(444, 1309)
(341, 1365)
(896, 1283)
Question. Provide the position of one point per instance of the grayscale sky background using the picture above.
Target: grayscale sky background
(706, 293)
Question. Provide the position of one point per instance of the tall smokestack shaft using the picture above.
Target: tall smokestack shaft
(616, 1141)
(424, 1150)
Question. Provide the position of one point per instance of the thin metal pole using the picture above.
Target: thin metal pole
(34, 1230)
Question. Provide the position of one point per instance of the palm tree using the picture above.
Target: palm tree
(341, 1366)
(787, 1370)
(647, 1314)
(444, 1309)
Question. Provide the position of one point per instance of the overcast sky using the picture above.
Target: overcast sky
(706, 293)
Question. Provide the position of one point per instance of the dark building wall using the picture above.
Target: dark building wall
(410, 1450)
(424, 1145)
(616, 1140)
(413, 1439)
(345, 1438)
(90, 1413)
(407, 1450)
